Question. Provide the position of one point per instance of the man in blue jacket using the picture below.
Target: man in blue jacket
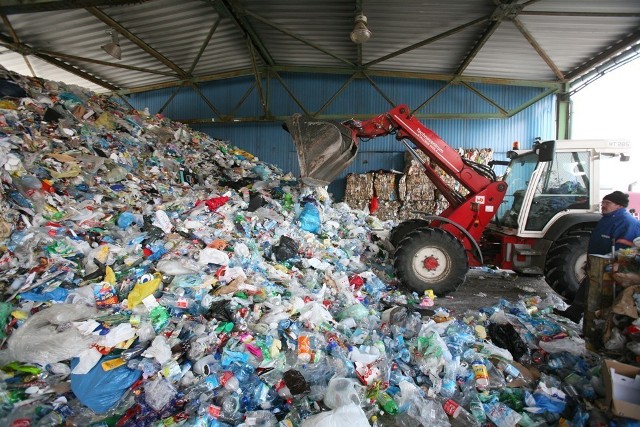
(617, 228)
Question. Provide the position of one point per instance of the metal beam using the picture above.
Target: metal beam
(296, 37)
(104, 63)
(581, 14)
(204, 45)
(22, 48)
(16, 40)
(623, 44)
(427, 41)
(136, 40)
(486, 98)
(349, 71)
(9, 7)
(256, 73)
(503, 11)
(236, 14)
(563, 114)
(534, 43)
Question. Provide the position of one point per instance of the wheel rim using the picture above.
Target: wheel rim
(430, 263)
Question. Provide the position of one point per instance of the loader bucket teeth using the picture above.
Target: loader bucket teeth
(324, 149)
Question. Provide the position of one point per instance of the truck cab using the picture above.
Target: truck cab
(556, 203)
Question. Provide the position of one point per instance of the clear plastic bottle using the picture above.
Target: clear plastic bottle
(476, 408)
(501, 415)
(449, 381)
(509, 371)
(230, 382)
(458, 416)
(480, 374)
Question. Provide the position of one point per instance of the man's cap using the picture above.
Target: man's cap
(618, 197)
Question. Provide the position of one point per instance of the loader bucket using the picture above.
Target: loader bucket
(324, 149)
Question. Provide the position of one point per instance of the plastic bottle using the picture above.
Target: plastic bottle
(230, 382)
(458, 416)
(501, 415)
(480, 374)
(509, 371)
(206, 365)
(386, 403)
(260, 419)
(476, 408)
(449, 380)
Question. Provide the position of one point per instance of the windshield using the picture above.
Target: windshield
(517, 178)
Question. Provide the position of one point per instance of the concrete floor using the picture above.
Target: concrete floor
(483, 289)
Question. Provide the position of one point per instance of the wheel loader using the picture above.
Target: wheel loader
(535, 219)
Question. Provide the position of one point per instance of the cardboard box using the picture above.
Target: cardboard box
(622, 388)
(600, 295)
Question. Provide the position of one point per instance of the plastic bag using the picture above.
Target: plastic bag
(348, 415)
(145, 286)
(47, 337)
(506, 336)
(310, 218)
(341, 392)
(573, 345)
(101, 390)
(287, 248)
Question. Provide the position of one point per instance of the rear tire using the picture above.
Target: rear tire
(431, 258)
(400, 231)
(565, 267)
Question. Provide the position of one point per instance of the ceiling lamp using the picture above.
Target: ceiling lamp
(360, 34)
(113, 48)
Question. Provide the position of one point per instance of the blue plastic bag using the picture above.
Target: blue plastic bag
(310, 218)
(58, 294)
(101, 390)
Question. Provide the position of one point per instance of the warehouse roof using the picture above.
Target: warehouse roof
(168, 43)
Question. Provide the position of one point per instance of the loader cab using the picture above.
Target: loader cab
(563, 178)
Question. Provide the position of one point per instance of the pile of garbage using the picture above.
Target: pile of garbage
(153, 275)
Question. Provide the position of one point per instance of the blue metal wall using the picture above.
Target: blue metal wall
(271, 143)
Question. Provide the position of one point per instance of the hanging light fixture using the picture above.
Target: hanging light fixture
(113, 48)
(360, 34)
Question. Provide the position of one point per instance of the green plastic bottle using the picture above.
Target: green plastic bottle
(386, 402)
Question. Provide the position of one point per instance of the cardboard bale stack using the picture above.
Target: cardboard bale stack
(359, 190)
(385, 189)
(399, 198)
(482, 156)
(416, 191)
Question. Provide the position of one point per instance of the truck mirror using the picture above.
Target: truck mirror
(624, 158)
(545, 151)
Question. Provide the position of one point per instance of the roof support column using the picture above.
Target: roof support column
(563, 113)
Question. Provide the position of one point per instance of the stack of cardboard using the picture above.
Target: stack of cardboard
(385, 189)
(417, 192)
(400, 197)
(359, 190)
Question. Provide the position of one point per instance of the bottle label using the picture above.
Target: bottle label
(214, 411)
(226, 376)
(451, 407)
(182, 303)
(511, 371)
(304, 348)
(480, 371)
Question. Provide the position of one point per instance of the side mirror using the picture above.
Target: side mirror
(545, 150)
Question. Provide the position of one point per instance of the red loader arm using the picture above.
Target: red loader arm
(471, 213)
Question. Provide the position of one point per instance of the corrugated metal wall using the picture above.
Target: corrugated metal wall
(272, 144)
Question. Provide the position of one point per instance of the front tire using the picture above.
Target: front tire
(401, 230)
(431, 258)
(565, 267)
